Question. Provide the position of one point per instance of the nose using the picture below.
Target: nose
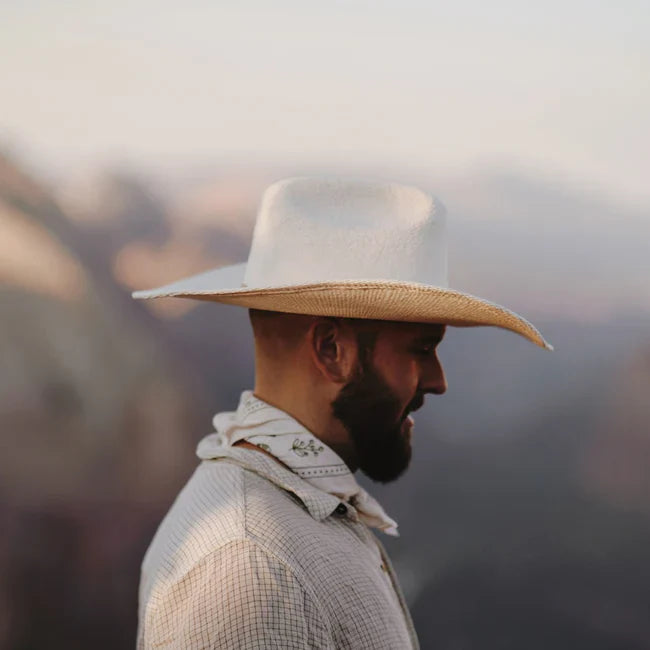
(433, 378)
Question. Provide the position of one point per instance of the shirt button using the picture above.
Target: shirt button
(341, 509)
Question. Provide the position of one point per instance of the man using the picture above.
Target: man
(269, 544)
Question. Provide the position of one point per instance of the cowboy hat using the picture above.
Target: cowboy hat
(355, 248)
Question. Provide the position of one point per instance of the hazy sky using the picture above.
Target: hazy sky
(558, 85)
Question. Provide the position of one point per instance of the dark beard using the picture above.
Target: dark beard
(371, 413)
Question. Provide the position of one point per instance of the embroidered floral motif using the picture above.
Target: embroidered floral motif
(302, 448)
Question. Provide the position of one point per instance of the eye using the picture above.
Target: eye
(426, 351)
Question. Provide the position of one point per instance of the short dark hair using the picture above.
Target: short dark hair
(366, 335)
(267, 323)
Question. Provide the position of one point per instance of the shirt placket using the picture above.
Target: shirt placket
(390, 572)
(385, 569)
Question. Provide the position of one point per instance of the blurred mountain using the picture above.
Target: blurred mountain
(88, 387)
(617, 464)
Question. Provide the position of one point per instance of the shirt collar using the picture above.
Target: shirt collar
(320, 504)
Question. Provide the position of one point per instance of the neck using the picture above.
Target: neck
(314, 412)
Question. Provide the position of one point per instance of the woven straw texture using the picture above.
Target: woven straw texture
(396, 301)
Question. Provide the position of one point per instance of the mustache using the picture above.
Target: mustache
(416, 404)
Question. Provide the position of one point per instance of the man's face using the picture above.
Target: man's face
(390, 382)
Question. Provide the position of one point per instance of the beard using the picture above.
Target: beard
(372, 414)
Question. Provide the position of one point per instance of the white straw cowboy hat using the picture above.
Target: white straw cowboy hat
(354, 248)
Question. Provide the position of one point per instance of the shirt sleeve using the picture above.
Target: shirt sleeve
(238, 596)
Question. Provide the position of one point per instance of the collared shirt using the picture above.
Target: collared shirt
(251, 555)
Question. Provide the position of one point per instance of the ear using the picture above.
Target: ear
(333, 349)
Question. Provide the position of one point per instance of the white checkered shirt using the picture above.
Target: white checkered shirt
(250, 555)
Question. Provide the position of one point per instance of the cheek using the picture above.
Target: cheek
(403, 380)
(408, 372)
(400, 371)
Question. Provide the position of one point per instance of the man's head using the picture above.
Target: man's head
(353, 382)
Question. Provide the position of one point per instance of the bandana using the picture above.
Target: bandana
(275, 431)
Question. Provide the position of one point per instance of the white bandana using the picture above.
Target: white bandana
(275, 431)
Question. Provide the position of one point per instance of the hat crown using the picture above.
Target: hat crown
(324, 229)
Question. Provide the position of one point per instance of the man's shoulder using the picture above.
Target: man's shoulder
(222, 502)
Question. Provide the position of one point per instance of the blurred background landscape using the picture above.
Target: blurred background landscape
(136, 140)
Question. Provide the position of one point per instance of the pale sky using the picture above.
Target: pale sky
(558, 85)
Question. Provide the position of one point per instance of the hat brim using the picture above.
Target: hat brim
(372, 299)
